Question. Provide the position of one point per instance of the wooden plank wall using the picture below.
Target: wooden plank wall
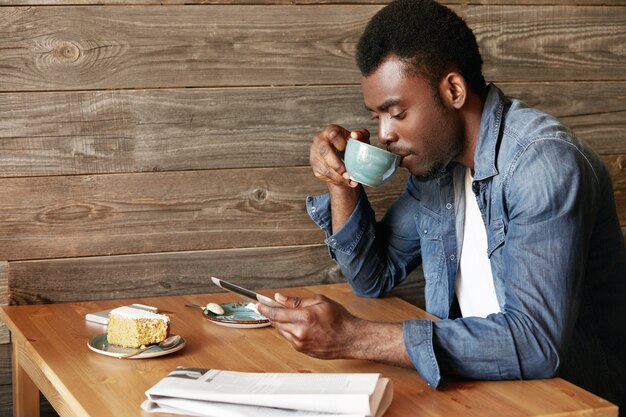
(146, 146)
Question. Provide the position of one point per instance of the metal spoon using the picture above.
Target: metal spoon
(168, 343)
(212, 307)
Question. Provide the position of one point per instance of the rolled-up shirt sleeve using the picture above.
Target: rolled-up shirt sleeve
(341, 244)
(418, 336)
(373, 256)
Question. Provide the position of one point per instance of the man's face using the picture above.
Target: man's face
(412, 123)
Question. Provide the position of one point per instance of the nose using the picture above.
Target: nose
(385, 133)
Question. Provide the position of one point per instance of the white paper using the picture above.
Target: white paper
(210, 409)
(234, 394)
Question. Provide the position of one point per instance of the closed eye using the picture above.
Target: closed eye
(398, 116)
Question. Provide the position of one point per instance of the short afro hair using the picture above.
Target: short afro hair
(427, 36)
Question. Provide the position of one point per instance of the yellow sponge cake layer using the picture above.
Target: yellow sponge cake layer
(132, 327)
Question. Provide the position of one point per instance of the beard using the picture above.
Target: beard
(434, 172)
(436, 164)
(434, 147)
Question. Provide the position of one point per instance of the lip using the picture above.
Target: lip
(402, 155)
(397, 151)
(404, 160)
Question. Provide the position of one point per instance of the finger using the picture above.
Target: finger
(289, 302)
(296, 343)
(337, 135)
(265, 310)
(297, 302)
(276, 315)
(351, 183)
(284, 315)
(325, 162)
(299, 343)
(332, 174)
(329, 158)
(362, 135)
(330, 168)
(286, 334)
(327, 165)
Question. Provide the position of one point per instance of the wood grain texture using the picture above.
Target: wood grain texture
(6, 388)
(5, 366)
(6, 394)
(549, 43)
(617, 167)
(185, 46)
(164, 130)
(4, 276)
(4, 300)
(99, 47)
(111, 277)
(93, 132)
(91, 385)
(595, 111)
(53, 217)
(296, 2)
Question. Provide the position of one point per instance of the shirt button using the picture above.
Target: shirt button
(333, 242)
(452, 257)
(312, 209)
(449, 206)
(425, 231)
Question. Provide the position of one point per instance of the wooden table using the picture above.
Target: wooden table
(50, 355)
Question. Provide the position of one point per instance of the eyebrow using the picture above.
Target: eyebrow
(383, 107)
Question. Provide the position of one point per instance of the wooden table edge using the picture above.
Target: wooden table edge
(31, 375)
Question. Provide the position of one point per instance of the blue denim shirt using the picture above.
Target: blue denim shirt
(555, 246)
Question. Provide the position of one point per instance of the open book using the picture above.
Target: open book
(215, 393)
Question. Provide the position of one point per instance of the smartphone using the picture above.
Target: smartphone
(251, 295)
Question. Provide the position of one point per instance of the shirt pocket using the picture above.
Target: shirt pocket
(428, 226)
(495, 236)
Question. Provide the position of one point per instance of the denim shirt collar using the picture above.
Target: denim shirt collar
(488, 134)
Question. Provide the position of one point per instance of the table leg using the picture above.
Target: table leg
(25, 392)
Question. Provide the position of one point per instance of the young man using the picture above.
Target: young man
(511, 216)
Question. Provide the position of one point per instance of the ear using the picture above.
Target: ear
(453, 90)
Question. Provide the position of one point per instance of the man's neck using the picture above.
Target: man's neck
(472, 114)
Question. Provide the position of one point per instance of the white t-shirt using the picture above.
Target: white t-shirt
(475, 291)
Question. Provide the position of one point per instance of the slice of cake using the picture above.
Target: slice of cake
(132, 328)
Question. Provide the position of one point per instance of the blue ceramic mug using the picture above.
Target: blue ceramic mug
(368, 164)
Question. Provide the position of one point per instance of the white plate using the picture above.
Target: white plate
(99, 344)
(238, 316)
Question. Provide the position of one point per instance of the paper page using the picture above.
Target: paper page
(215, 409)
(382, 396)
(329, 393)
(152, 407)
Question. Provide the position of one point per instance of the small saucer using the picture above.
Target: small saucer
(237, 315)
(99, 344)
